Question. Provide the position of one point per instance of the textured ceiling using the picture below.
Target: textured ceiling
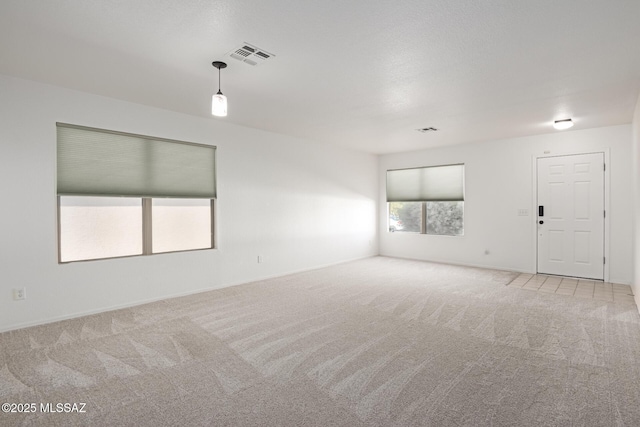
(360, 74)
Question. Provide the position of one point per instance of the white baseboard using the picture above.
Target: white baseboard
(54, 319)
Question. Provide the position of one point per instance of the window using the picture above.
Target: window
(180, 224)
(405, 217)
(124, 195)
(428, 200)
(445, 218)
(99, 227)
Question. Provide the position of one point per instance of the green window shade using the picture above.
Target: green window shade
(428, 184)
(104, 163)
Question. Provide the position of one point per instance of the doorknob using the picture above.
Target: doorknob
(541, 222)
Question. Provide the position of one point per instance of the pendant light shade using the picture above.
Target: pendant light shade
(219, 105)
(219, 101)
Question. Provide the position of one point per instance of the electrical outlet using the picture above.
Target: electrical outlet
(260, 259)
(19, 294)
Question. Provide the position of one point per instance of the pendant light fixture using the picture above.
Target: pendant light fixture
(219, 101)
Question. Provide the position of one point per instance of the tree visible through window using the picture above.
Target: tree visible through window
(405, 217)
(445, 218)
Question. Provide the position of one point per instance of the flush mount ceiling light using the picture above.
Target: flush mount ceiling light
(219, 101)
(563, 124)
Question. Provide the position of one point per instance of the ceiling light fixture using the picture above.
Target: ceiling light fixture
(219, 101)
(563, 124)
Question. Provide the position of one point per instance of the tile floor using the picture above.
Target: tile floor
(579, 288)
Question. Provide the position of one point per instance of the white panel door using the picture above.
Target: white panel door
(571, 215)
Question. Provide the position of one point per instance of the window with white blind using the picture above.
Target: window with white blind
(427, 200)
(123, 194)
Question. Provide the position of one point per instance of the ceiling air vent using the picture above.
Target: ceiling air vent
(250, 54)
(425, 130)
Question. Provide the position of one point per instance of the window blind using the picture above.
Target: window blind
(98, 162)
(426, 184)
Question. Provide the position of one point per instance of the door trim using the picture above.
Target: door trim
(607, 204)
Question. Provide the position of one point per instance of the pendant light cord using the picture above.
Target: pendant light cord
(219, 65)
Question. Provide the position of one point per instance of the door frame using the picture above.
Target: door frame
(534, 201)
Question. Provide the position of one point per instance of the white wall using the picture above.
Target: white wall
(298, 204)
(499, 181)
(635, 159)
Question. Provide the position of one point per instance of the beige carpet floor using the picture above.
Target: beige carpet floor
(375, 342)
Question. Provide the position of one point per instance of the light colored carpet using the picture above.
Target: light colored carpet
(376, 342)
